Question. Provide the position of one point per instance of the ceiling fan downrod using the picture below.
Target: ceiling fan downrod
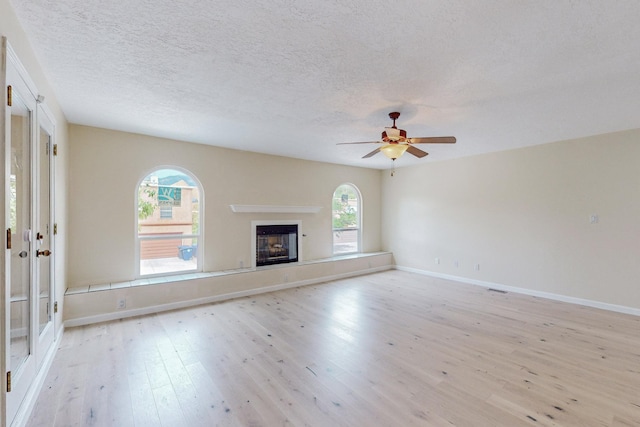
(394, 116)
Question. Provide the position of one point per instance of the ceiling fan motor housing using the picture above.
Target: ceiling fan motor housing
(394, 135)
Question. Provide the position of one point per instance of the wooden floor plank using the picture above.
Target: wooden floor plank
(392, 348)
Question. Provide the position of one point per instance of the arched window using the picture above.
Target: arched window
(346, 219)
(169, 218)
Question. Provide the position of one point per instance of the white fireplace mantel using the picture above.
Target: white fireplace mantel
(274, 209)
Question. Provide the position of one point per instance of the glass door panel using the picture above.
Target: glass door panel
(21, 236)
(44, 233)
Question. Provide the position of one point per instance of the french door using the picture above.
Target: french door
(28, 267)
(45, 253)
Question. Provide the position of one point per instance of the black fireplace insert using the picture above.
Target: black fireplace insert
(276, 244)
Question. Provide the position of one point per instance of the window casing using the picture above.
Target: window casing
(168, 223)
(346, 219)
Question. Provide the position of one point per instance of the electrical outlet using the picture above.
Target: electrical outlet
(477, 267)
(286, 278)
(122, 303)
(437, 260)
(241, 264)
(456, 264)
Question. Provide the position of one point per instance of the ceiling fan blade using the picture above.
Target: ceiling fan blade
(416, 151)
(364, 142)
(433, 140)
(371, 154)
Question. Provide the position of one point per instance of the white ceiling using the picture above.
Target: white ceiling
(295, 77)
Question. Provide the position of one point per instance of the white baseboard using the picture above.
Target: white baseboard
(122, 314)
(524, 291)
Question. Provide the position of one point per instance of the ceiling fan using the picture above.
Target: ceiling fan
(395, 142)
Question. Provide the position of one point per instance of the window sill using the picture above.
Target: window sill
(192, 276)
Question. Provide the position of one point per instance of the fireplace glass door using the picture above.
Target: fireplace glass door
(276, 244)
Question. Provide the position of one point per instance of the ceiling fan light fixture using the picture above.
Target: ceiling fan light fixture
(394, 151)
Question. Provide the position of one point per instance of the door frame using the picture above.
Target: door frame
(16, 405)
(44, 120)
(3, 220)
(23, 88)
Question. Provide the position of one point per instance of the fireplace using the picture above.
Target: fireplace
(276, 244)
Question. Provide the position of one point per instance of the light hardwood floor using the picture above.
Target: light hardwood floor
(388, 349)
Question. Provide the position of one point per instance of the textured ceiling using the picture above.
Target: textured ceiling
(293, 78)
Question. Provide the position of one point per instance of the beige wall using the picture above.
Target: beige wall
(524, 217)
(106, 166)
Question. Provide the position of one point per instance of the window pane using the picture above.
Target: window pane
(168, 210)
(168, 255)
(346, 219)
(345, 207)
(345, 241)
